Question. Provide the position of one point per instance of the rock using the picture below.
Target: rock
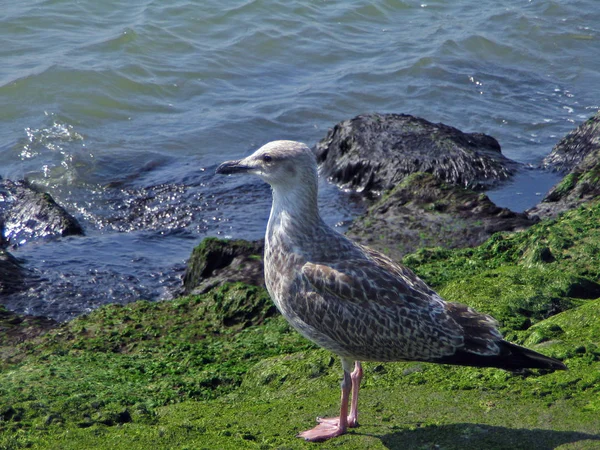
(423, 211)
(28, 214)
(575, 146)
(216, 261)
(374, 152)
(578, 152)
(11, 274)
(237, 305)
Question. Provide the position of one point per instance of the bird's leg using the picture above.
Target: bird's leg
(356, 377)
(330, 428)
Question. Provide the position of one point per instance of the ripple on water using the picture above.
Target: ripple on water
(121, 110)
(74, 276)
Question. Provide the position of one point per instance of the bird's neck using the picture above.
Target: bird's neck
(294, 212)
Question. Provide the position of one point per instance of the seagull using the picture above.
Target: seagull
(355, 301)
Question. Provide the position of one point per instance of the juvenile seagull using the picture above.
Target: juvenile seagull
(354, 301)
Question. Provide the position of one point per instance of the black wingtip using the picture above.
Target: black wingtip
(530, 359)
(511, 357)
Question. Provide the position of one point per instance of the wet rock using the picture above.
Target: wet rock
(216, 261)
(11, 274)
(423, 211)
(578, 152)
(27, 214)
(374, 152)
(575, 146)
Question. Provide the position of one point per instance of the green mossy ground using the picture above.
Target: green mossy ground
(220, 371)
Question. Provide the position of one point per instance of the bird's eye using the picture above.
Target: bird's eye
(267, 158)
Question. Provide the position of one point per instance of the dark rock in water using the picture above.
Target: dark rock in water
(11, 274)
(28, 214)
(216, 261)
(374, 152)
(578, 152)
(575, 146)
(423, 211)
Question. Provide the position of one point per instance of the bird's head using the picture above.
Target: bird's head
(282, 164)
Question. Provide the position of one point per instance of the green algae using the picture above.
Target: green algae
(569, 243)
(119, 363)
(564, 187)
(219, 370)
(516, 296)
(572, 333)
(393, 418)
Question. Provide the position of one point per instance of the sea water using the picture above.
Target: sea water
(122, 110)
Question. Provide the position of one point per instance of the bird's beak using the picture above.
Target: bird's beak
(230, 167)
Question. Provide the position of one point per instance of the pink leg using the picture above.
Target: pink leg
(356, 376)
(330, 428)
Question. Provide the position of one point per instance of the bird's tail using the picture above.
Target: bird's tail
(517, 357)
(511, 357)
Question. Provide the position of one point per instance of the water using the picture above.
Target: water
(122, 110)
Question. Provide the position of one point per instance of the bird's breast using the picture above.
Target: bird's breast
(282, 267)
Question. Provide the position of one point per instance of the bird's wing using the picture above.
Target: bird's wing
(363, 282)
(392, 312)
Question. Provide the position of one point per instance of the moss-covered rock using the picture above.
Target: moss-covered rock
(578, 153)
(120, 363)
(522, 278)
(422, 211)
(570, 243)
(215, 261)
(238, 305)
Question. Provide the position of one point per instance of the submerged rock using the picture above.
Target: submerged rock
(167, 206)
(26, 214)
(578, 152)
(423, 211)
(372, 153)
(216, 261)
